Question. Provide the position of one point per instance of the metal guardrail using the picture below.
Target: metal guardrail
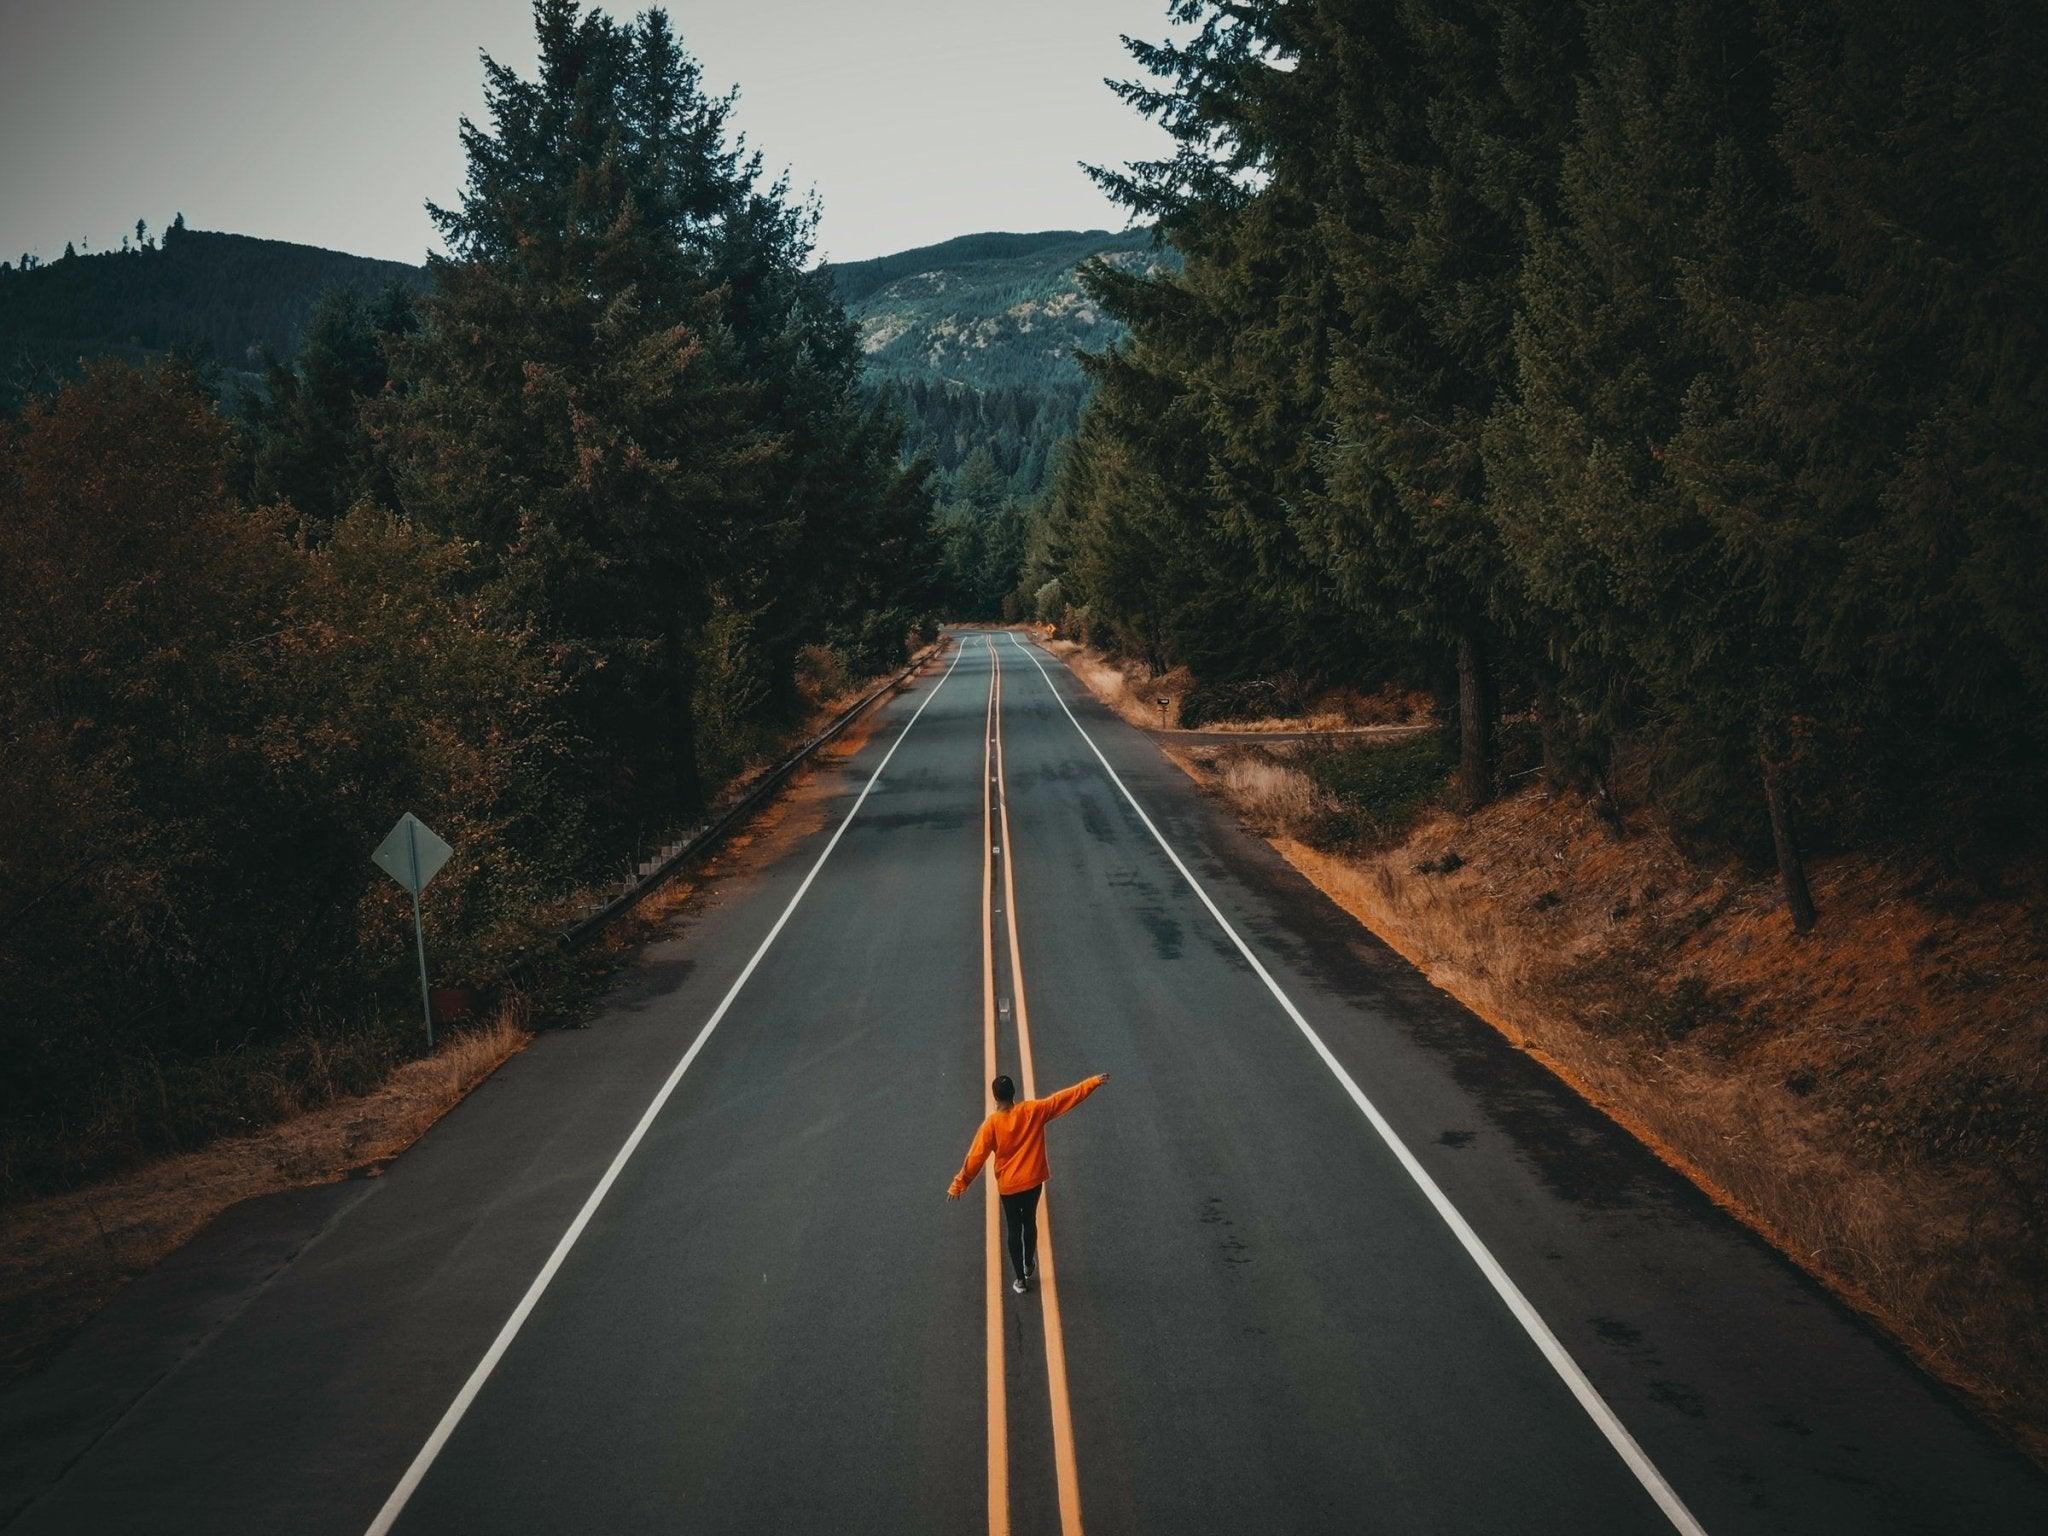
(694, 845)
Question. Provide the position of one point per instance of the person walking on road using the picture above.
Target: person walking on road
(1015, 1136)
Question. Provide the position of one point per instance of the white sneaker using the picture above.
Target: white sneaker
(1019, 1287)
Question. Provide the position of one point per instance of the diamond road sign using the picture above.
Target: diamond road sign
(412, 855)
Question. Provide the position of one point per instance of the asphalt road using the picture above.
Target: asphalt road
(1325, 1255)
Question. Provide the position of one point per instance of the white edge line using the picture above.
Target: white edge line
(1596, 1407)
(394, 1506)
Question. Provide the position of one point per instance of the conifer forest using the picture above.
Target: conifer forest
(1672, 377)
(1656, 394)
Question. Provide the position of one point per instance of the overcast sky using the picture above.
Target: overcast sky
(330, 122)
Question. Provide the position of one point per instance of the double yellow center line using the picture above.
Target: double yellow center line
(996, 849)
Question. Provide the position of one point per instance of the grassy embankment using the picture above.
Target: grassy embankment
(1869, 1098)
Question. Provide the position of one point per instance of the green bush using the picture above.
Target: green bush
(1378, 790)
(1049, 602)
(731, 688)
(822, 672)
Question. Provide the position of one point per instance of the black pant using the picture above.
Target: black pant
(1020, 1230)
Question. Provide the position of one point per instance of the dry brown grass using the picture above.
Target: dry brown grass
(62, 1257)
(1125, 686)
(1133, 692)
(1342, 710)
(1873, 1099)
(1273, 794)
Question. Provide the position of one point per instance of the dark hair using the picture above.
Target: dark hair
(1003, 1089)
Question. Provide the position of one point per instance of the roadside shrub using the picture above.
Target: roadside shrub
(822, 673)
(731, 688)
(1375, 791)
(1274, 794)
(1247, 698)
(881, 639)
(1049, 602)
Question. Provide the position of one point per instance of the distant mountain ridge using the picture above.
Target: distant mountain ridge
(986, 311)
(858, 279)
(229, 298)
(973, 338)
(974, 341)
(989, 307)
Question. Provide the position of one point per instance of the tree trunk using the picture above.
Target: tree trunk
(1475, 722)
(1791, 868)
(689, 788)
(1549, 730)
(1605, 802)
(1155, 651)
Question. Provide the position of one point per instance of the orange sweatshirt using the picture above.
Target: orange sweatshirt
(1016, 1136)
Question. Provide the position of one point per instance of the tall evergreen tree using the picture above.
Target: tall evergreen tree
(1660, 619)
(1878, 451)
(1680, 366)
(308, 445)
(1449, 124)
(1222, 391)
(630, 392)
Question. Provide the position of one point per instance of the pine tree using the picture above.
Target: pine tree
(1448, 135)
(629, 390)
(979, 486)
(1880, 453)
(570, 402)
(308, 443)
(1657, 616)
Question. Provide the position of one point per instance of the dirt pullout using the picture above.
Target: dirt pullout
(1869, 1098)
(63, 1256)
(1155, 701)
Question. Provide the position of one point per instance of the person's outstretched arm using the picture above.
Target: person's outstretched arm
(977, 1154)
(1057, 1104)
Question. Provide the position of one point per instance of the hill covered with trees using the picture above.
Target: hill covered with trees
(985, 310)
(228, 300)
(974, 340)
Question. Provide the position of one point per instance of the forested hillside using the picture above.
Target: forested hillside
(1664, 390)
(973, 343)
(545, 556)
(1670, 377)
(228, 299)
(985, 311)
(974, 340)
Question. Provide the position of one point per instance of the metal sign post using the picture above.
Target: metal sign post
(412, 855)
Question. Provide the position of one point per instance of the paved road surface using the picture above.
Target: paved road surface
(1325, 1255)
